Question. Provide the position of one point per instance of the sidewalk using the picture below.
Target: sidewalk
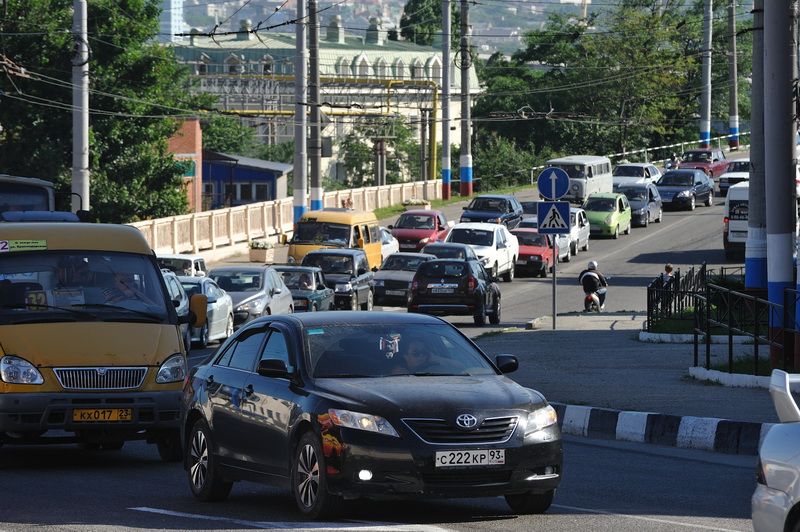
(606, 383)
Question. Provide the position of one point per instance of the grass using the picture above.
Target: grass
(745, 364)
(680, 323)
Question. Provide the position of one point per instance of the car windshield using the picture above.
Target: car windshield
(45, 285)
(634, 194)
(476, 237)
(312, 232)
(336, 264)
(378, 350)
(531, 239)
(487, 204)
(676, 180)
(414, 221)
(445, 252)
(191, 288)
(599, 205)
(238, 281)
(739, 166)
(696, 157)
(629, 171)
(297, 279)
(401, 263)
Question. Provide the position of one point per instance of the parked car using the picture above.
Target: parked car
(738, 170)
(448, 287)
(580, 230)
(255, 290)
(628, 173)
(310, 292)
(415, 229)
(684, 188)
(775, 501)
(646, 204)
(608, 214)
(563, 240)
(219, 311)
(496, 209)
(389, 244)
(181, 301)
(343, 422)
(391, 282)
(450, 250)
(530, 208)
(535, 252)
(183, 264)
(494, 245)
(712, 161)
(347, 273)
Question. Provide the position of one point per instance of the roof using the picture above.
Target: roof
(246, 162)
(74, 236)
(337, 251)
(605, 195)
(317, 319)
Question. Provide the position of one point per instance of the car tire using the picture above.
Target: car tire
(616, 232)
(628, 229)
(660, 215)
(543, 273)
(229, 327)
(202, 341)
(494, 271)
(204, 480)
(530, 503)
(586, 246)
(480, 317)
(568, 256)
(187, 340)
(367, 305)
(353, 302)
(509, 275)
(646, 220)
(494, 317)
(692, 203)
(710, 200)
(169, 446)
(313, 307)
(310, 480)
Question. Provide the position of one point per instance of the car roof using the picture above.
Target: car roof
(194, 279)
(245, 269)
(525, 229)
(289, 268)
(408, 254)
(421, 211)
(692, 150)
(336, 251)
(610, 195)
(317, 319)
(635, 164)
(477, 225)
(178, 256)
(684, 171)
(575, 209)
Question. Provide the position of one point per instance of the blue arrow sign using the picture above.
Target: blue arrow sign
(553, 217)
(553, 183)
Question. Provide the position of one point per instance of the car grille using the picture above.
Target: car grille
(492, 430)
(100, 378)
(466, 477)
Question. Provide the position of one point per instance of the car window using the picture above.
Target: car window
(243, 352)
(276, 347)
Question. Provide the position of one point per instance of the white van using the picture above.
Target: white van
(588, 174)
(734, 227)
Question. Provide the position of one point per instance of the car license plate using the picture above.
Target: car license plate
(395, 292)
(739, 234)
(522, 262)
(102, 414)
(470, 458)
(408, 246)
(441, 290)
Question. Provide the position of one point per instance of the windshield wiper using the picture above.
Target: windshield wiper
(154, 317)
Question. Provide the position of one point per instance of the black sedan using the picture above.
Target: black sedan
(685, 188)
(343, 406)
(455, 287)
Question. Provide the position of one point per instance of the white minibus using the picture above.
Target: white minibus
(588, 174)
(734, 226)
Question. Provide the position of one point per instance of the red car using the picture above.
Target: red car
(414, 229)
(712, 161)
(535, 252)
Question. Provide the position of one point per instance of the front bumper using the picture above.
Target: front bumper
(398, 471)
(531, 265)
(390, 297)
(344, 301)
(769, 508)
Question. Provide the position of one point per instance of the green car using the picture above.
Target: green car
(608, 214)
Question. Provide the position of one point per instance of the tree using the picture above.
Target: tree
(422, 22)
(138, 93)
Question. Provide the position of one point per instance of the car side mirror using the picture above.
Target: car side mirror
(506, 363)
(389, 227)
(273, 367)
(283, 239)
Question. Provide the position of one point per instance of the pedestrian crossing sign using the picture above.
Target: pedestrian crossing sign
(553, 217)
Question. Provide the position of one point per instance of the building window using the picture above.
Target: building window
(416, 69)
(262, 192)
(400, 69)
(380, 69)
(267, 65)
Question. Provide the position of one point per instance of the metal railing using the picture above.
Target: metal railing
(668, 301)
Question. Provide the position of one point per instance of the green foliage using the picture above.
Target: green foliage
(422, 21)
(136, 85)
(227, 134)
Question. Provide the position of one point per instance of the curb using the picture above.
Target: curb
(645, 336)
(708, 434)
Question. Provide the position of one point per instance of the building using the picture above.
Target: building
(171, 22)
(231, 180)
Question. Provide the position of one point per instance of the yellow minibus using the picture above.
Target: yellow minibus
(336, 228)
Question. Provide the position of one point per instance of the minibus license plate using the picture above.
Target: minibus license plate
(102, 414)
(470, 458)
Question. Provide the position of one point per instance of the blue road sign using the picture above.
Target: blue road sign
(553, 183)
(553, 217)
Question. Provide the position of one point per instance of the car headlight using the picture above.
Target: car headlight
(359, 421)
(638, 211)
(424, 240)
(343, 288)
(536, 257)
(378, 282)
(540, 419)
(609, 220)
(291, 260)
(172, 370)
(254, 306)
(463, 219)
(684, 194)
(15, 370)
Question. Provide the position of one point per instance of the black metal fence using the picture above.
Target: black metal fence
(668, 300)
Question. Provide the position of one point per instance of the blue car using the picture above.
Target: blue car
(685, 188)
(309, 290)
(494, 208)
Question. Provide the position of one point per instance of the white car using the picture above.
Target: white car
(182, 264)
(776, 499)
(494, 245)
(579, 230)
(627, 173)
(389, 244)
(737, 171)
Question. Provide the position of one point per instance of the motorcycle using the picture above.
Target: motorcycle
(591, 300)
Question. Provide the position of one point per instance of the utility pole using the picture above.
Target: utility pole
(315, 146)
(446, 25)
(705, 97)
(466, 120)
(80, 108)
(423, 144)
(733, 79)
(300, 171)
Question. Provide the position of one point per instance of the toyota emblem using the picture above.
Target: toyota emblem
(467, 421)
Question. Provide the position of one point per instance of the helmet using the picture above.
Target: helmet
(592, 265)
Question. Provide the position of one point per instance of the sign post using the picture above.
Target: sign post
(553, 216)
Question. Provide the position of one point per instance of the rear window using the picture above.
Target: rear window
(444, 269)
(531, 239)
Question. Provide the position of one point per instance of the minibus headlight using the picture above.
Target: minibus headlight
(15, 370)
(172, 370)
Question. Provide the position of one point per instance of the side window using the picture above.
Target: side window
(374, 232)
(362, 264)
(244, 353)
(276, 347)
(213, 291)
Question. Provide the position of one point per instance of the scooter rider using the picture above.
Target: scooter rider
(594, 282)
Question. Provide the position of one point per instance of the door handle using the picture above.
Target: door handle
(210, 379)
(248, 390)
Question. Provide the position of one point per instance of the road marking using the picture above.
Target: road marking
(649, 519)
(355, 526)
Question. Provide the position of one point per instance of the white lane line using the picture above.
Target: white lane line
(356, 526)
(650, 519)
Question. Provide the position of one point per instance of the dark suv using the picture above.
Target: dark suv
(347, 272)
(497, 209)
(446, 287)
